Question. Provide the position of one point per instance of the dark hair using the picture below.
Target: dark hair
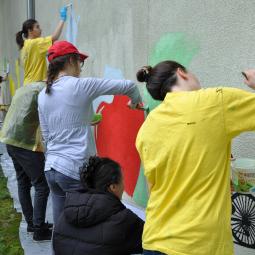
(1, 79)
(159, 79)
(27, 25)
(100, 173)
(55, 66)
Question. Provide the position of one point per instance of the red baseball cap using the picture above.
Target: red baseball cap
(61, 48)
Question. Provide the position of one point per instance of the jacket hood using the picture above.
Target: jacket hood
(88, 207)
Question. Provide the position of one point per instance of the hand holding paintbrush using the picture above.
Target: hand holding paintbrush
(249, 76)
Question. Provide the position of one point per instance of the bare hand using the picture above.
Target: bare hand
(139, 106)
(250, 78)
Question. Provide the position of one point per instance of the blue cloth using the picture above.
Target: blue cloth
(63, 13)
(65, 115)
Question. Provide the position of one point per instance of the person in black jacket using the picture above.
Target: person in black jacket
(94, 221)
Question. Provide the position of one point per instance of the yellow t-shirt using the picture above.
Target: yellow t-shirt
(185, 146)
(33, 57)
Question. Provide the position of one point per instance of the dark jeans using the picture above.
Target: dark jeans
(60, 184)
(145, 252)
(29, 167)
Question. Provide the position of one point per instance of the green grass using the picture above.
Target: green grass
(9, 222)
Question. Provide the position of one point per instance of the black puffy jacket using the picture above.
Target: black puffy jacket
(97, 223)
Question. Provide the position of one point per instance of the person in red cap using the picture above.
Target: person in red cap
(65, 111)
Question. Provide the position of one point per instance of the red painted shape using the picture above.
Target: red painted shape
(116, 135)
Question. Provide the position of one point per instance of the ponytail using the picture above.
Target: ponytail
(19, 39)
(53, 71)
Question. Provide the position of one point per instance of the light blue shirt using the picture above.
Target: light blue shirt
(65, 115)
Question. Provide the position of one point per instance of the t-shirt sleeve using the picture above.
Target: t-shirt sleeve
(44, 44)
(95, 87)
(239, 111)
(148, 164)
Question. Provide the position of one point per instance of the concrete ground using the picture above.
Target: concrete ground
(32, 248)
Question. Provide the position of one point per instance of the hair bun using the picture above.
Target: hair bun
(144, 74)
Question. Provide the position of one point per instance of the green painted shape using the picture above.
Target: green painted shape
(140, 195)
(171, 46)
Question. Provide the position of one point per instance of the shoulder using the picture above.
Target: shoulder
(42, 95)
(84, 83)
(126, 215)
(221, 90)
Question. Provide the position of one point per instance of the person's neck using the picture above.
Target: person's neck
(61, 74)
(31, 37)
(180, 88)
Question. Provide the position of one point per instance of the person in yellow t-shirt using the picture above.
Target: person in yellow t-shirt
(34, 48)
(185, 147)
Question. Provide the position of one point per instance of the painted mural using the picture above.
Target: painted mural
(115, 135)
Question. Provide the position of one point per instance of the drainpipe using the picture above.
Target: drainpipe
(31, 9)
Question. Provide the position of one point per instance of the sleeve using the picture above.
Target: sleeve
(95, 87)
(44, 128)
(44, 44)
(148, 164)
(134, 233)
(239, 111)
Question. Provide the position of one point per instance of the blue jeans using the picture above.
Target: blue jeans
(60, 184)
(29, 167)
(145, 252)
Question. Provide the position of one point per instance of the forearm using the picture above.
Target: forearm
(55, 36)
(134, 95)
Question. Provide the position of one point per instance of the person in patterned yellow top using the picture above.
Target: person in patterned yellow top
(185, 148)
(33, 47)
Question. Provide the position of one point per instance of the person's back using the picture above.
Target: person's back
(33, 48)
(21, 125)
(188, 167)
(94, 221)
(68, 92)
(33, 56)
(21, 134)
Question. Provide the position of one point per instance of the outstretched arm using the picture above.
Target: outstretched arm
(239, 107)
(63, 16)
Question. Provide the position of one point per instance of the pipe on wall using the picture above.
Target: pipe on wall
(31, 9)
